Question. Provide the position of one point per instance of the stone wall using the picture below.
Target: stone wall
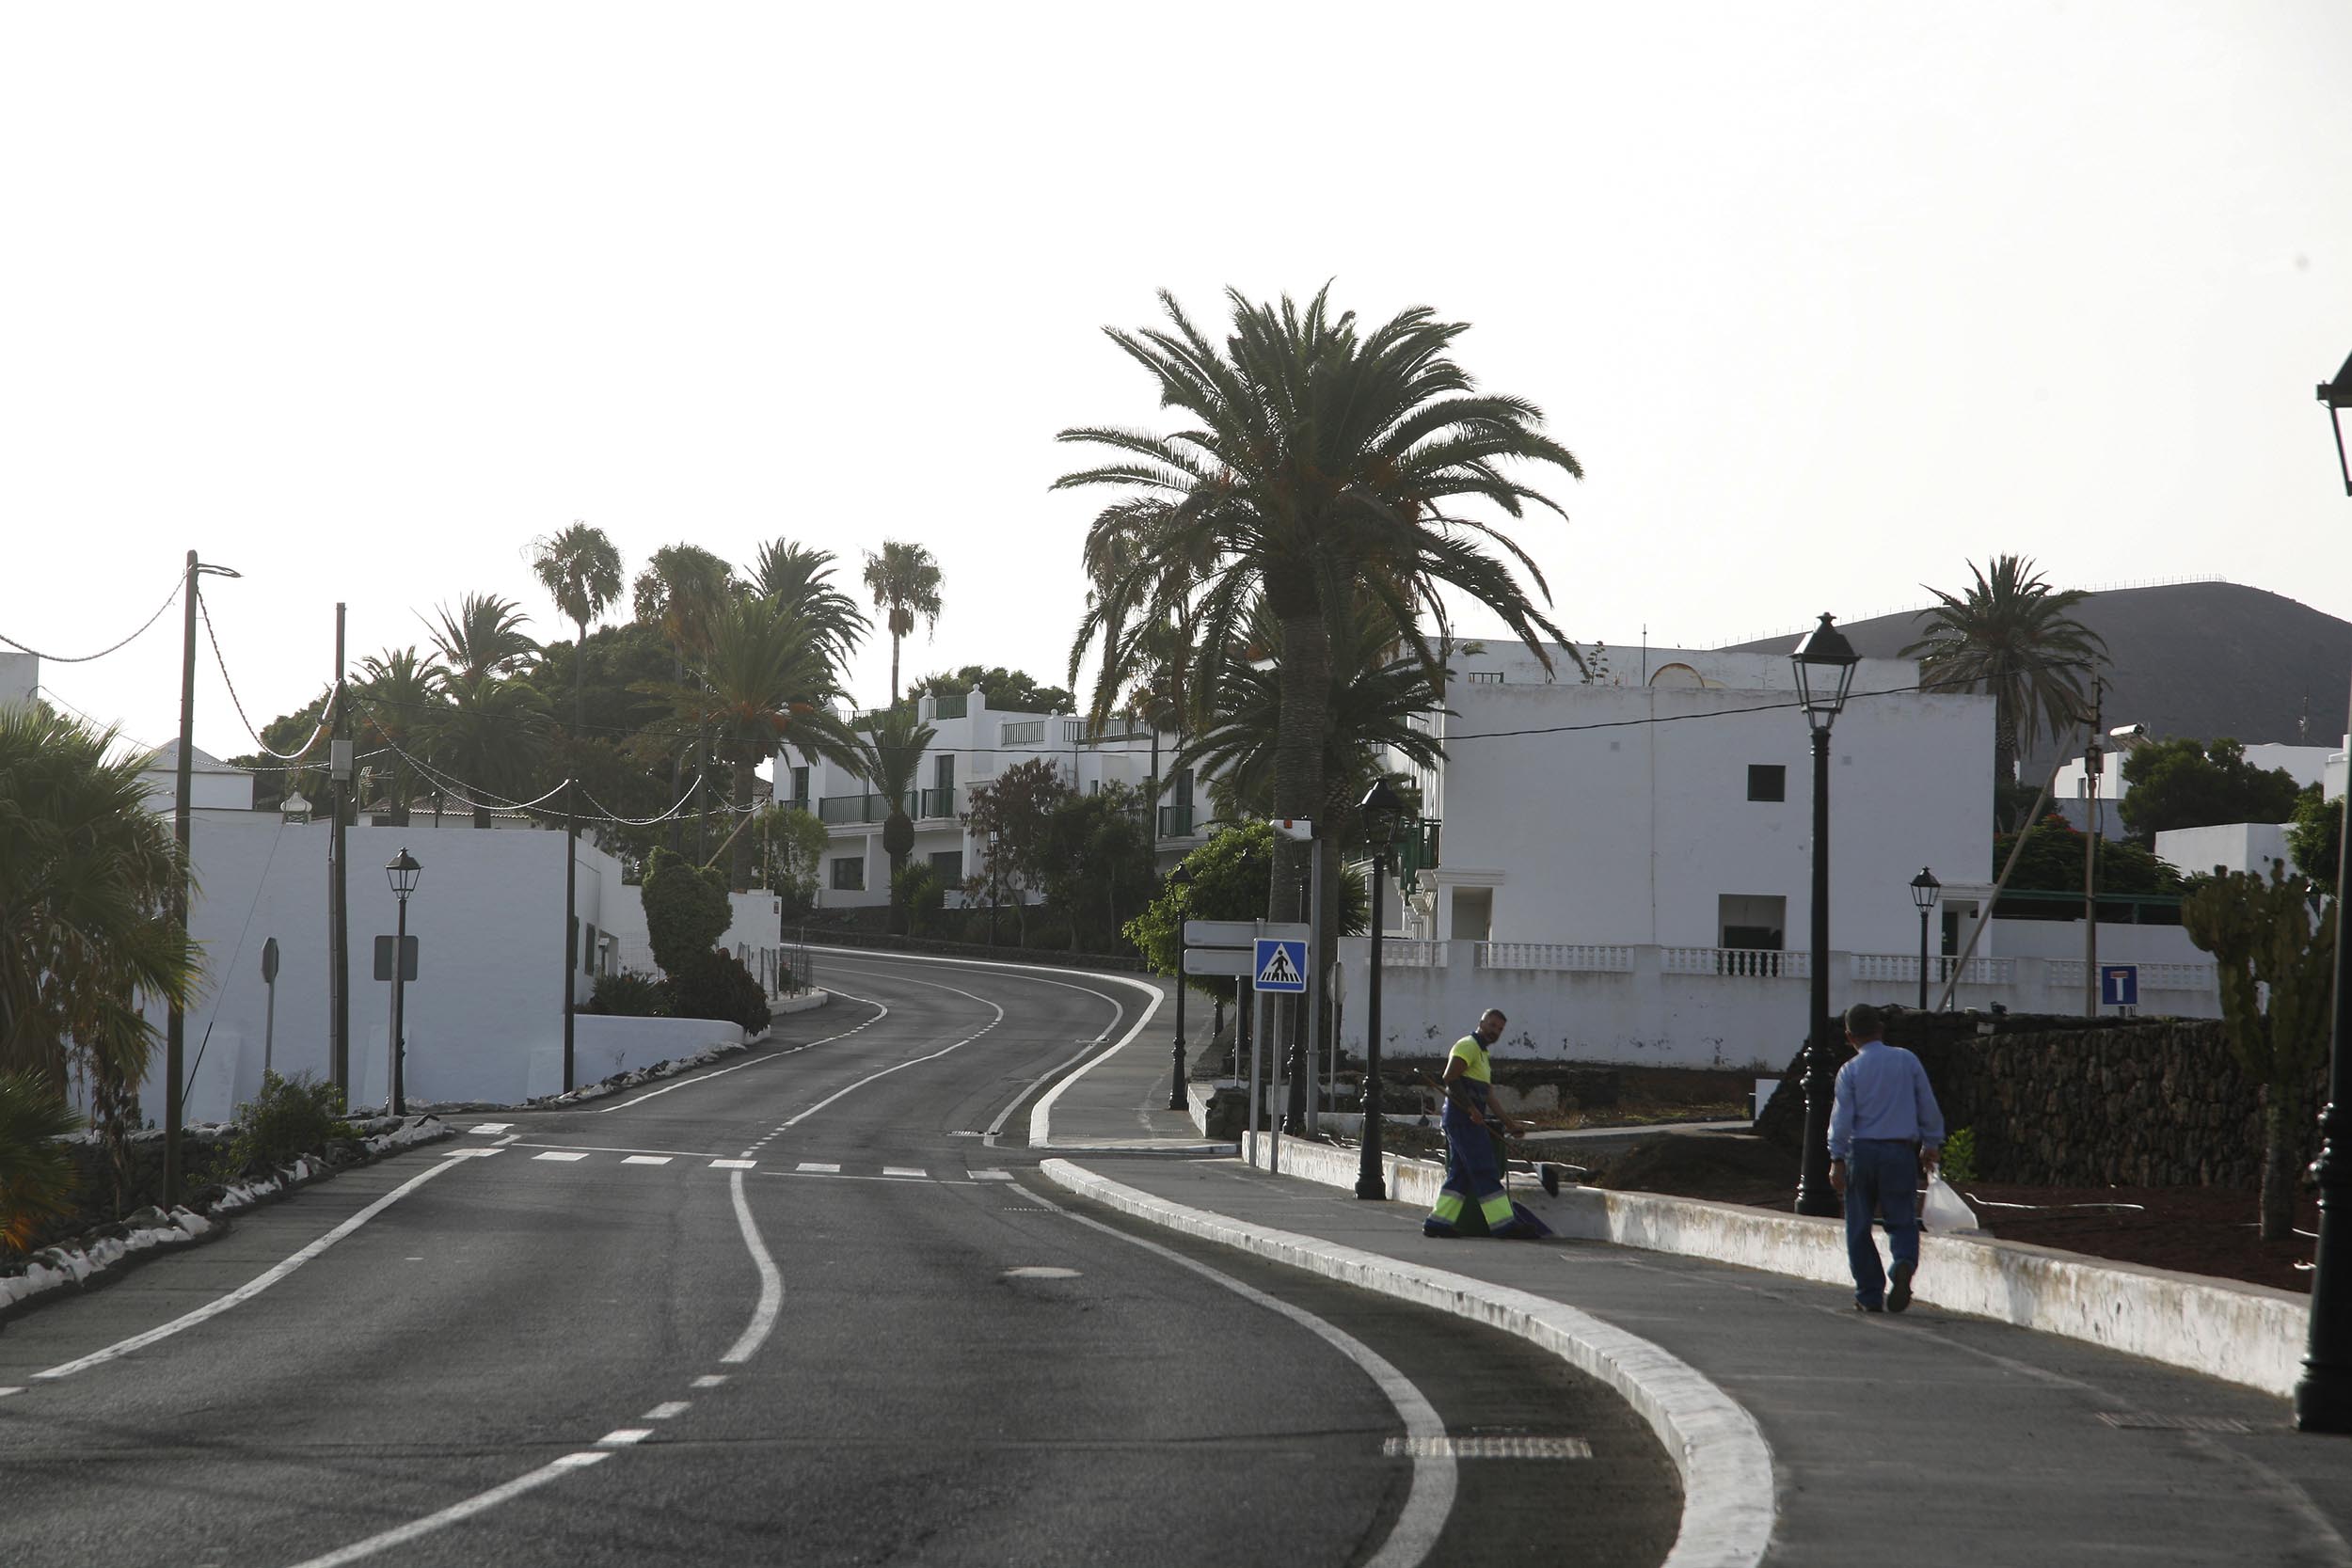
(2082, 1103)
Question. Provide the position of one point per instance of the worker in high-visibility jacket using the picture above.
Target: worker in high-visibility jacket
(1472, 1172)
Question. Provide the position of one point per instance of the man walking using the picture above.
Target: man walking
(1883, 1128)
(1472, 1170)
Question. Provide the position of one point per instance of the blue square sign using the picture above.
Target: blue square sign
(2119, 985)
(1279, 966)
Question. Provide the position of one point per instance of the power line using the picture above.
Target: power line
(327, 715)
(59, 659)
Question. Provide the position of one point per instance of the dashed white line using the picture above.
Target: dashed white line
(646, 1159)
(669, 1410)
(772, 1056)
(811, 1167)
(623, 1436)
(491, 1127)
(734, 1164)
(480, 1502)
(561, 1156)
(916, 1172)
(710, 1380)
(6, 1392)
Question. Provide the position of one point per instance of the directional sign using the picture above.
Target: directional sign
(1231, 963)
(2119, 985)
(1295, 827)
(1282, 966)
(1241, 933)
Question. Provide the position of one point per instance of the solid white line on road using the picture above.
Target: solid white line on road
(1430, 1496)
(771, 1282)
(734, 1164)
(6, 1392)
(564, 1155)
(901, 1067)
(907, 1170)
(478, 1503)
(253, 1287)
(710, 1380)
(623, 1149)
(672, 1409)
(624, 1437)
(646, 1159)
(812, 1168)
(992, 1176)
(772, 1056)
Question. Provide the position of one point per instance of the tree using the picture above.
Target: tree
(401, 700)
(800, 580)
(2188, 783)
(484, 638)
(2053, 863)
(88, 875)
(1012, 813)
(1229, 878)
(36, 1174)
(581, 573)
(682, 591)
(2262, 935)
(2009, 634)
(1099, 864)
(489, 739)
(905, 584)
(895, 740)
(1007, 690)
(1316, 461)
(687, 912)
(793, 847)
(2315, 837)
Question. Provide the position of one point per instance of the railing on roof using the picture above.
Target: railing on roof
(1020, 732)
(956, 706)
(1556, 957)
(1889, 967)
(1412, 952)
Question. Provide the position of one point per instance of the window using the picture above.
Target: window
(799, 788)
(1485, 677)
(949, 864)
(1767, 780)
(849, 874)
(1750, 921)
(943, 772)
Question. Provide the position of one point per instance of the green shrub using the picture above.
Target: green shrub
(686, 910)
(716, 985)
(628, 994)
(36, 1173)
(290, 1116)
(1960, 1156)
(923, 897)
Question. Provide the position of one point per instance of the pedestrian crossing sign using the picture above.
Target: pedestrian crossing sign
(1281, 966)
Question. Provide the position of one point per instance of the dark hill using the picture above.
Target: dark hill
(2203, 659)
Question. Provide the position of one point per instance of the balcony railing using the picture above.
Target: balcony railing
(937, 803)
(1411, 953)
(1176, 821)
(1022, 732)
(956, 706)
(1556, 957)
(1742, 963)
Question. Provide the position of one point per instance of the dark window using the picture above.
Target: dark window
(849, 874)
(943, 772)
(1767, 780)
(799, 788)
(949, 864)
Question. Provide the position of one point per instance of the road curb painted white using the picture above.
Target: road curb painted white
(2244, 1334)
(1726, 1466)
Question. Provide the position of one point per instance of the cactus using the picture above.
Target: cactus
(2268, 949)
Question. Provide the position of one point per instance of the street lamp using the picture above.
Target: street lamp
(1824, 662)
(1383, 809)
(1924, 892)
(402, 872)
(1180, 878)
(2323, 1397)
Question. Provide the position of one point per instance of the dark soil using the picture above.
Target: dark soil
(2207, 1230)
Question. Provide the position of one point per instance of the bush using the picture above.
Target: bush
(290, 1116)
(1960, 1156)
(686, 910)
(924, 897)
(628, 994)
(716, 985)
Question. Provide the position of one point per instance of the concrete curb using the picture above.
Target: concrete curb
(2244, 1334)
(1726, 1466)
(805, 1002)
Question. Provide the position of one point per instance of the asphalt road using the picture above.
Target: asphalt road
(577, 1339)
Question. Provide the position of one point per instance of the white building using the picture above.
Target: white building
(20, 676)
(973, 745)
(2226, 847)
(213, 784)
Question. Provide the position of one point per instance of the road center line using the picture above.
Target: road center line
(479, 1502)
(772, 1056)
(255, 1286)
(771, 1283)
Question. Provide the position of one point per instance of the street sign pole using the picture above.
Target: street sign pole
(269, 1015)
(1315, 1090)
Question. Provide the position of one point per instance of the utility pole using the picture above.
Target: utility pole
(2094, 757)
(175, 1027)
(339, 750)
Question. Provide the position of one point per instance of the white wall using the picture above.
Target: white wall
(20, 676)
(2230, 845)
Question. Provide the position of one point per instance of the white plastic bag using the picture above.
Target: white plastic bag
(1945, 1210)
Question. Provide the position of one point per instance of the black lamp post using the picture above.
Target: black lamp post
(2323, 1397)
(1924, 891)
(1824, 662)
(1383, 808)
(1180, 876)
(402, 872)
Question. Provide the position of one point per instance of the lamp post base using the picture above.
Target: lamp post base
(1176, 1086)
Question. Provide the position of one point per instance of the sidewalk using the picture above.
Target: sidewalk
(1925, 1438)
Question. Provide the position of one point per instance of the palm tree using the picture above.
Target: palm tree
(489, 738)
(896, 741)
(905, 582)
(582, 572)
(88, 875)
(2009, 634)
(800, 580)
(401, 699)
(36, 1174)
(1317, 462)
(683, 590)
(484, 638)
(763, 682)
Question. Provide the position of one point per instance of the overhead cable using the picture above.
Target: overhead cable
(178, 582)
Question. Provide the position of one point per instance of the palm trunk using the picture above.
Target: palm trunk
(2278, 1169)
(1298, 739)
(894, 669)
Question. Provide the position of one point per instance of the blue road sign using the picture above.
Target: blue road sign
(2119, 985)
(1279, 966)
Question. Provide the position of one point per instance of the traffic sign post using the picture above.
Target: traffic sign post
(269, 1015)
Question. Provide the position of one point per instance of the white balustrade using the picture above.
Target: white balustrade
(1556, 957)
(1743, 963)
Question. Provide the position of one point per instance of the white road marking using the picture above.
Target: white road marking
(480, 1502)
(625, 1149)
(6, 1392)
(1430, 1496)
(710, 1380)
(563, 1155)
(1486, 1447)
(772, 1056)
(492, 1127)
(734, 1164)
(646, 1159)
(812, 1168)
(771, 1283)
(901, 1067)
(672, 1409)
(991, 1175)
(467, 1153)
(253, 1287)
(622, 1437)
(1041, 1271)
(907, 1170)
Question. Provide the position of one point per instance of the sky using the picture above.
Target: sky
(1828, 300)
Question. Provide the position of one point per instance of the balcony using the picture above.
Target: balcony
(1022, 732)
(1176, 821)
(846, 810)
(937, 803)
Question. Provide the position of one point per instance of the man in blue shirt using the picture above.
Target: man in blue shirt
(1883, 1128)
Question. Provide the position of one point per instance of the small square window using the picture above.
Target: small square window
(849, 874)
(1767, 780)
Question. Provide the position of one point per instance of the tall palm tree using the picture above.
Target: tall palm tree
(582, 572)
(484, 638)
(1317, 460)
(683, 590)
(2009, 634)
(800, 580)
(896, 741)
(490, 736)
(764, 682)
(401, 700)
(905, 582)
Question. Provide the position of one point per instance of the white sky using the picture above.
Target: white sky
(1827, 299)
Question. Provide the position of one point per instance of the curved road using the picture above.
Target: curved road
(813, 1307)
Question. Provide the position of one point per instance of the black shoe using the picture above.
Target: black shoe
(1867, 1306)
(1898, 1294)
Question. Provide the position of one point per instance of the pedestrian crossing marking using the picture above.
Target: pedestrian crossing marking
(467, 1153)
(1486, 1447)
(564, 1155)
(644, 1159)
(916, 1171)
(491, 1127)
(811, 1167)
(992, 1176)
(734, 1164)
